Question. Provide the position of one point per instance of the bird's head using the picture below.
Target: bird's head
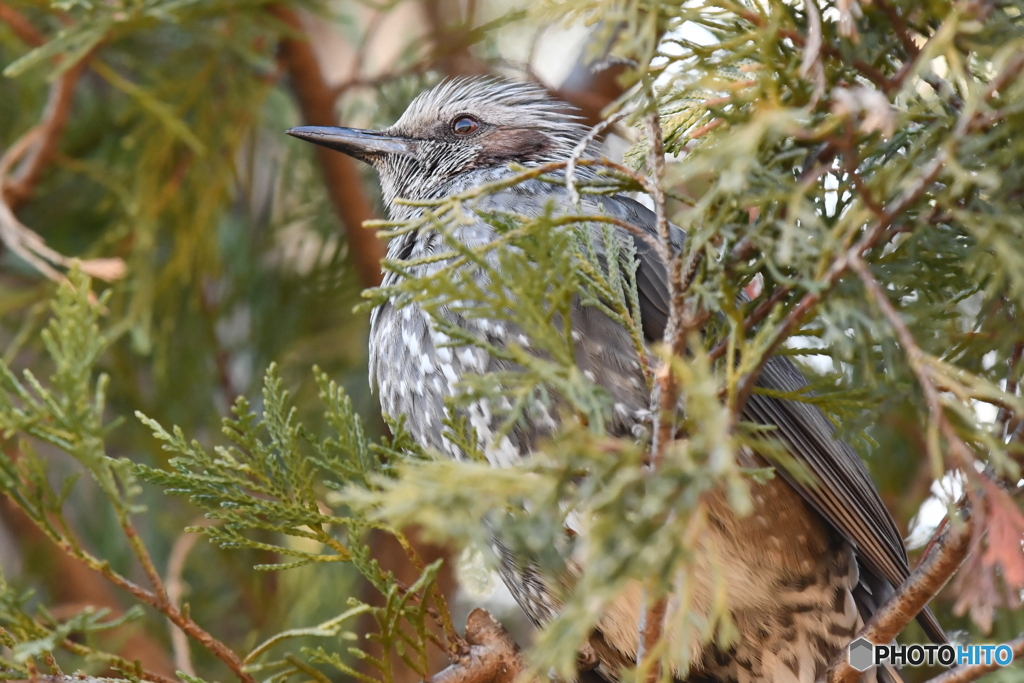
(460, 127)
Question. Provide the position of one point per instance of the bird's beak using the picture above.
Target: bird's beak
(361, 144)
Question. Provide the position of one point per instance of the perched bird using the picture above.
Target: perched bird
(805, 569)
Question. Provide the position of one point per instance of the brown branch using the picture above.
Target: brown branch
(160, 603)
(681, 321)
(493, 655)
(175, 589)
(900, 27)
(972, 672)
(31, 153)
(451, 39)
(653, 625)
(344, 183)
(81, 679)
(71, 583)
(593, 83)
(947, 553)
(20, 185)
(21, 26)
(668, 390)
(156, 598)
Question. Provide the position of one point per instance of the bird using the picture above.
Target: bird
(815, 557)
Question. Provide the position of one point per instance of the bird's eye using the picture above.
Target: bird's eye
(465, 125)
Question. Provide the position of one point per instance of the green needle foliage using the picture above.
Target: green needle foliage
(848, 175)
(267, 480)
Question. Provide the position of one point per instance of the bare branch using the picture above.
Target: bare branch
(175, 588)
(344, 184)
(19, 187)
(451, 39)
(28, 156)
(156, 598)
(581, 149)
(493, 655)
(21, 26)
(30, 247)
(972, 672)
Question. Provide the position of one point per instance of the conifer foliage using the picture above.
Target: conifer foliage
(848, 175)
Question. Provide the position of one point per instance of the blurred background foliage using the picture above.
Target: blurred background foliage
(165, 121)
(219, 246)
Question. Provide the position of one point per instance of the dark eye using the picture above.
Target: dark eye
(465, 125)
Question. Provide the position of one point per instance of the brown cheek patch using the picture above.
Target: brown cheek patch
(517, 144)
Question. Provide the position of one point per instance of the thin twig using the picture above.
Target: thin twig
(811, 65)
(34, 150)
(581, 149)
(456, 645)
(156, 598)
(19, 186)
(175, 589)
(1006, 420)
(667, 395)
(81, 678)
(915, 356)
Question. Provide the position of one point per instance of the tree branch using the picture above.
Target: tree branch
(175, 589)
(21, 26)
(28, 156)
(71, 583)
(156, 598)
(20, 185)
(493, 655)
(344, 184)
(972, 672)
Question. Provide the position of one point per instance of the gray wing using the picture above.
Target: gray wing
(844, 495)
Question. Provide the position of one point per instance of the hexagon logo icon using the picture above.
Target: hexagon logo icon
(862, 654)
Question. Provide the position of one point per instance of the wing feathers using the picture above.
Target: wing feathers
(845, 495)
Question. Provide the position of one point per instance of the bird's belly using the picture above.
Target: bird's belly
(413, 377)
(416, 370)
(787, 580)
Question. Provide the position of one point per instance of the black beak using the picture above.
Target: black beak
(361, 144)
